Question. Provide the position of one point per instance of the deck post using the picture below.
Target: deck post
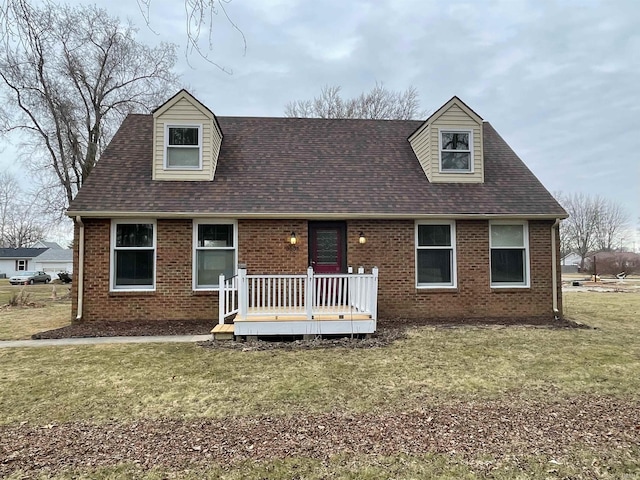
(222, 296)
(309, 293)
(243, 292)
(374, 294)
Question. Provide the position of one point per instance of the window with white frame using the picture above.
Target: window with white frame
(215, 252)
(183, 146)
(509, 244)
(456, 151)
(21, 265)
(133, 255)
(435, 254)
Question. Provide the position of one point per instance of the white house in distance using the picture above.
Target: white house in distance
(571, 263)
(48, 257)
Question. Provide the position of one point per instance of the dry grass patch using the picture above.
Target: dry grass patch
(19, 323)
(433, 365)
(38, 312)
(578, 464)
(517, 366)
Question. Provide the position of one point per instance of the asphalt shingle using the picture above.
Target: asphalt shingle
(309, 167)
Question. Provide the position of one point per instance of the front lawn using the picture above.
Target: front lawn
(519, 369)
(38, 309)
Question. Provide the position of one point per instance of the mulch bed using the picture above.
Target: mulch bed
(388, 329)
(499, 429)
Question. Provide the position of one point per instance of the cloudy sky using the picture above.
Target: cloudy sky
(559, 80)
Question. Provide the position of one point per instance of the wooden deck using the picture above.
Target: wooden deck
(311, 304)
(286, 322)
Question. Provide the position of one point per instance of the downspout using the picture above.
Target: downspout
(80, 280)
(554, 269)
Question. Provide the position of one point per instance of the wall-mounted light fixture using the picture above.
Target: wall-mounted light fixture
(362, 240)
(293, 240)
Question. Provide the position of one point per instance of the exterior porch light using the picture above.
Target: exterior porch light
(362, 240)
(293, 240)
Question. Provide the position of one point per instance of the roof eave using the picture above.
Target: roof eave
(314, 215)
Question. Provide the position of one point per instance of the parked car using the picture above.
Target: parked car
(30, 278)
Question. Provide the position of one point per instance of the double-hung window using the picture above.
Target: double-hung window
(21, 265)
(509, 244)
(435, 254)
(183, 146)
(133, 255)
(215, 252)
(456, 151)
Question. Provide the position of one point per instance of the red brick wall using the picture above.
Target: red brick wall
(390, 247)
(173, 299)
(264, 247)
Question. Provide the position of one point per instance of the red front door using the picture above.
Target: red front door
(327, 247)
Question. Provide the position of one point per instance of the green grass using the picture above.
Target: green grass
(432, 366)
(19, 323)
(580, 464)
(125, 382)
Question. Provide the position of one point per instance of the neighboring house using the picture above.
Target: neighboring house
(571, 263)
(54, 260)
(443, 217)
(43, 244)
(18, 260)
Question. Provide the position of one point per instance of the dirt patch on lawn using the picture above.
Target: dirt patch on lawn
(498, 428)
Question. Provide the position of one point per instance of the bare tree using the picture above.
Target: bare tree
(20, 223)
(9, 191)
(612, 222)
(69, 76)
(379, 103)
(199, 15)
(594, 223)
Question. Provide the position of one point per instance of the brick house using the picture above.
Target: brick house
(312, 221)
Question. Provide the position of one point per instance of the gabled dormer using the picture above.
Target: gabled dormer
(449, 144)
(186, 140)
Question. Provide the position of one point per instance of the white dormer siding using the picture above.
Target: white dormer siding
(183, 125)
(463, 157)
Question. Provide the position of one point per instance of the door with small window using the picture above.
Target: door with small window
(327, 247)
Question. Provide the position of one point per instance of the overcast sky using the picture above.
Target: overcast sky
(559, 80)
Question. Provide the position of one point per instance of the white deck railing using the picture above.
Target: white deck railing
(298, 295)
(228, 297)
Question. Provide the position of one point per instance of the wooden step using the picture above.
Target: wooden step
(223, 331)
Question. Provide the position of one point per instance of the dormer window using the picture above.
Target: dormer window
(456, 151)
(183, 147)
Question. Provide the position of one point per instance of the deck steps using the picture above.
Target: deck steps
(223, 331)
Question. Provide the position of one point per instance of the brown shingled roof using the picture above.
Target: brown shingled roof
(309, 168)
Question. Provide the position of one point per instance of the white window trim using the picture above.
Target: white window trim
(453, 248)
(194, 257)
(167, 126)
(22, 263)
(527, 266)
(112, 250)
(471, 159)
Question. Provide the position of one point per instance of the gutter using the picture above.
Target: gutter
(311, 215)
(80, 280)
(554, 269)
